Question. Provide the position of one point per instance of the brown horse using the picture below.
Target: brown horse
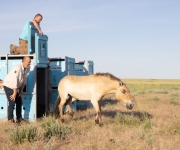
(94, 88)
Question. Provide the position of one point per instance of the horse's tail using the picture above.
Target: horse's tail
(56, 108)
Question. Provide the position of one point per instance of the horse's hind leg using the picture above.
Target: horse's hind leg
(98, 119)
(71, 112)
(61, 109)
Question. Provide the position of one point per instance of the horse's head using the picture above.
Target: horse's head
(123, 95)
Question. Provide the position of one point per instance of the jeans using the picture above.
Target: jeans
(18, 102)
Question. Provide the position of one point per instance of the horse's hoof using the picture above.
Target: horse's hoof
(100, 124)
(71, 114)
(62, 120)
(97, 121)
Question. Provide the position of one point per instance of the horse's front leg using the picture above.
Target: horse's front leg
(98, 119)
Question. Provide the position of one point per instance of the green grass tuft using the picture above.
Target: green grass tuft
(19, 134)
(52, 127)
(174, 102)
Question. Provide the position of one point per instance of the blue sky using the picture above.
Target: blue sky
(130, 39)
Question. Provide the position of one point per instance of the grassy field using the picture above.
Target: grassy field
(153, 124)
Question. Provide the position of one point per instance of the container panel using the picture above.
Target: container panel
(71, 70)
(58, 71)
(28, 106)
(3, 106)
(30, 85)
(2, 67)
(13, 62)
(41, 48)
(91, 70)
(79, 69)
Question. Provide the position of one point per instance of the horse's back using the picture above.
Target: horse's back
(79, 87)
(78, 79)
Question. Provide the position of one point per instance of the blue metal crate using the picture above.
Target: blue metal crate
(3, 70)
(41, 50)
(79, 70)
(84, 68)
(90, 67)
(28, 106)
(61, 67)
(30, 85)
(80, 105)
(3, 105)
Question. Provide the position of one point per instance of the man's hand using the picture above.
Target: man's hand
(20, 94)
(13, 97)
(36, 24)
(40, 32)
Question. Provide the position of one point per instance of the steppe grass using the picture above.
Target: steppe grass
(154, 98)
(130, 120)
(49, 127)
(52, 127)
(20, 134)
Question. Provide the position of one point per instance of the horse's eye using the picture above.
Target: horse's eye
(123, 91)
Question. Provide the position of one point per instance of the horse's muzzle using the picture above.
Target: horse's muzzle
(129, 105)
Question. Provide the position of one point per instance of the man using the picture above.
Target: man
(23, 39)
(14, 83)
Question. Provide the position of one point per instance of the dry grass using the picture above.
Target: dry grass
(154, 123)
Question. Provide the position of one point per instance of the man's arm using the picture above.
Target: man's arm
(37, 27)
(14, 80)
(22, 87)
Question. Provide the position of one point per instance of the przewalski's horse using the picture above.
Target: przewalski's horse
(94, 88)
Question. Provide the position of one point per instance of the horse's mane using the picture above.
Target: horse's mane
(110, 76)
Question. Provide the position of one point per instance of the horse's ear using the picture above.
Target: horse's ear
(121, 83)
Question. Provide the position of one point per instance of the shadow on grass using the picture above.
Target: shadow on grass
(105, 102)
(138, 114)
(141, 116)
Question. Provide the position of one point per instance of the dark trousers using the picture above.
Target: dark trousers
(18, 102)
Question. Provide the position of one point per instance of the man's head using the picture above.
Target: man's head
(38, 18)
(26, 62)
(1, 84)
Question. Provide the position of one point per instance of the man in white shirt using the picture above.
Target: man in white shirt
(14, 83)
